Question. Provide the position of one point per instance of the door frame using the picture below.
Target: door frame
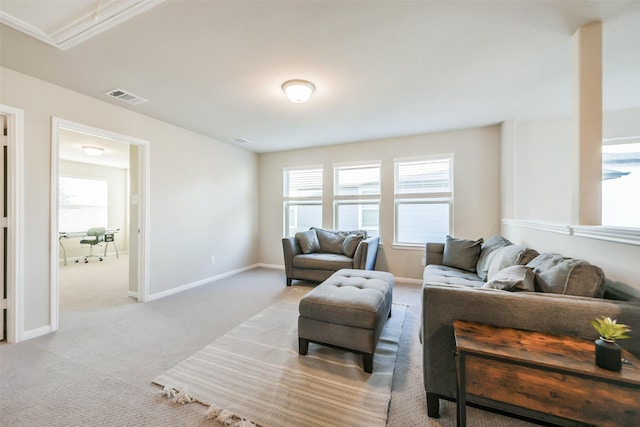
(15, 223)
(143, 209)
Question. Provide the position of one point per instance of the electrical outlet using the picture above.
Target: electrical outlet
(424, 261)
(213, 259)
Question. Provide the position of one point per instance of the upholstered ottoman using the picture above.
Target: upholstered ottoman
(347, 311)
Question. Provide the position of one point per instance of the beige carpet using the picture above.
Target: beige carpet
(97, 369)
(255, 373)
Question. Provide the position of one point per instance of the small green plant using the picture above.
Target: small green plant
(610, 330)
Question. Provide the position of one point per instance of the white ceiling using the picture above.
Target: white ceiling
(70, 143)
(381, 68)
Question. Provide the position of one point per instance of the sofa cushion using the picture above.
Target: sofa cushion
(331, 241)
(508, 256)
(441, 274)
(350, 244)
(461, 253)
(322, 261)
(514, 278)
(487, 252)
(308, 241)
(569, 276)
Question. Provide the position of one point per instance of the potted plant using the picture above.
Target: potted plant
(608, 353)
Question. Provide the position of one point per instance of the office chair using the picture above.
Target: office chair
(94, 236)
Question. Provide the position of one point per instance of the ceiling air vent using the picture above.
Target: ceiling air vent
(125, 96)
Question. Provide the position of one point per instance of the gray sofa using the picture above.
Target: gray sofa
(523, 289)
(317, 253)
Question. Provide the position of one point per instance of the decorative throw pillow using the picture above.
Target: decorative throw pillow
(505, 257)
(487, 252)
(516, 278)
(350, 244)
(569, 276)
(308, 241)
(330, 240)
(461, 253)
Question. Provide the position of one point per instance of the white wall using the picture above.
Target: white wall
(476, 188)
(203, 192)
(117, 201)
(537, 167)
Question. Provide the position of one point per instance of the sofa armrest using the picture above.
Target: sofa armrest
(290, 248)
(549, 313)
(434, 253)
(366, 254)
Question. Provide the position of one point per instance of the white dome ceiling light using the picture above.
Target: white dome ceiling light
(92, 151)
(298, 90)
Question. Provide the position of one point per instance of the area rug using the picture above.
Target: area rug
(254, 374)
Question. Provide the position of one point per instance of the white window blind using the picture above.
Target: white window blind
(357, 180)
(426, 176)
(83, 203)
(303, 183)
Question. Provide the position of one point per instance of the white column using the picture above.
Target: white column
(587, 124)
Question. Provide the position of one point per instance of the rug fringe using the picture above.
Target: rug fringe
(183, 397)
(169, 392)
(227, 418)
(179, 397)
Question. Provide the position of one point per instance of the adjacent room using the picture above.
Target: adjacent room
(319, 213)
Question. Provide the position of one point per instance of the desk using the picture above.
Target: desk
(550, 374)
(109, 237)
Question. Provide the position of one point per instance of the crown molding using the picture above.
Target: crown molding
(110, 14)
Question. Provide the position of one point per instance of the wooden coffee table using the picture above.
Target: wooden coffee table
(543, 374)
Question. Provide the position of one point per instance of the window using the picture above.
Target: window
(423, 200)
(357, 198)
(83, 203)
(621, 183)
(302, 194)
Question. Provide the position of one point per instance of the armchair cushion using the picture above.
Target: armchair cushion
(461, 253)
(308, 241)
(331, 241)
(351, 243)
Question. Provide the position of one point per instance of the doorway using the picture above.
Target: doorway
(12, 223)
(127, 227)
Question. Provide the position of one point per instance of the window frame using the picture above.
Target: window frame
(422, 197)
(356, 199)
(294, 201)
(62, 207)
(614, 142)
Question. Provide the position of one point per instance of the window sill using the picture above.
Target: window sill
(629, 236)
(408, 247)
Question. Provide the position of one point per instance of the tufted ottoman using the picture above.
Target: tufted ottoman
(347, 311)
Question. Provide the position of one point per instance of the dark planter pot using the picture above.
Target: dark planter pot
(608, 355)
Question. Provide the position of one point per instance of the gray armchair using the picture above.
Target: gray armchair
(332, 251)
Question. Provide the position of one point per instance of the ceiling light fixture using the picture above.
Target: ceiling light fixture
(298, 90)
(92, 151)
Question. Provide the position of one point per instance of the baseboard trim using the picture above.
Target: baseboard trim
(197, 283)
(409, 281)
(273, 266)
(133, 295)
(35, 333)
